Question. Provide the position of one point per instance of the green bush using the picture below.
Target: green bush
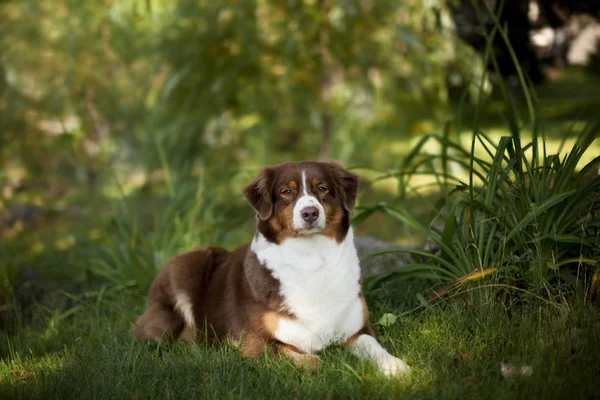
(528, 216)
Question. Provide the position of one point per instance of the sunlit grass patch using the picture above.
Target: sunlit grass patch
(27, 370)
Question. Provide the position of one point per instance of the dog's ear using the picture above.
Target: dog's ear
(259, 195)
(346, 184)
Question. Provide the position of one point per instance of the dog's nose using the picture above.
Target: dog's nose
(310, 214)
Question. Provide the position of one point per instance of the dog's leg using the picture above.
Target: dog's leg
(250, 344)
(367, 347)
(253, 346)
(158, 322)
(307, 362)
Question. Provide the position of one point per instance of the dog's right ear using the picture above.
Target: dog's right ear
(258, 194)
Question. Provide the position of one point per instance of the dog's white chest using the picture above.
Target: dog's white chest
(319, 281)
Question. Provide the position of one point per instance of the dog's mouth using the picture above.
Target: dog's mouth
(309, 229)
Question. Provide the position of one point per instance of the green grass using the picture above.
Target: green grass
(455, 350)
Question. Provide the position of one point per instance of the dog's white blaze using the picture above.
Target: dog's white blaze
(304, 201)
(184, 305)
(366, 346)
(304, 192)
(319, 280)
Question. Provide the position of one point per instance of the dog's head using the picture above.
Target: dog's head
(305, 198)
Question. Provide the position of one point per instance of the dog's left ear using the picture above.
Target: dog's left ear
(346, 183)
(258, 194)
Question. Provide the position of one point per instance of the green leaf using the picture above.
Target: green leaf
(387, 319)
(422, 300)
(539, 209)
(448, 232)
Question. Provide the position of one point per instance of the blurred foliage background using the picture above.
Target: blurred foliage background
(110, 107)
(242, 82)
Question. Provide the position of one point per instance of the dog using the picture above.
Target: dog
(295, 289)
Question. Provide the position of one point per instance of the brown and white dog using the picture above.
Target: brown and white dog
(295, 288)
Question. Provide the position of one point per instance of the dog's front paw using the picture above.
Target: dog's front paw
(393, 366)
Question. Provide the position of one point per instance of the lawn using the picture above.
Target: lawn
(456, 350)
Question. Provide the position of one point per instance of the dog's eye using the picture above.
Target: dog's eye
(286, 191)
(322, 189)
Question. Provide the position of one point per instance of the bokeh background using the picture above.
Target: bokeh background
(125, 115)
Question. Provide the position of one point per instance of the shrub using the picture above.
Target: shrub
(529, 216)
